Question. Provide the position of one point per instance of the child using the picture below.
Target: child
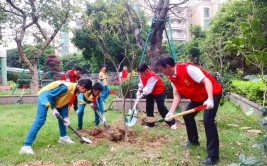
(56, 95)
(93, 98)
(103, 80)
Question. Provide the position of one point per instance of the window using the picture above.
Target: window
(206, 23)
(206, 12)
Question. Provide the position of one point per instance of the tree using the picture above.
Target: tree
(26, 18)
(225, 26)
(161, 10)
(53, 66)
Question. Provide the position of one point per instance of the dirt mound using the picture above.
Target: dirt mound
(114, 134)
(49, 163)
(38, 163)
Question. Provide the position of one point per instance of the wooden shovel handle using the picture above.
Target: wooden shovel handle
(136, 102)
(197, 109)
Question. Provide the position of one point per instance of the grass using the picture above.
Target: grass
(17, 92)
(156, 146)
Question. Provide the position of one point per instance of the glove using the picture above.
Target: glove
(209, 103)
(55, 112)
(167, 117)
(67, 122)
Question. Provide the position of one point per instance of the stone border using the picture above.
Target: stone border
(118, 104)
(26, 99)
(244, 103)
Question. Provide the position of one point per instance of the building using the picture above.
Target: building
(195, 12)
(201, 12)
(62, 42)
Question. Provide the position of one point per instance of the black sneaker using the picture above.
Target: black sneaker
(209, 161)
(149, 125)
(188, 144)
(79, 128)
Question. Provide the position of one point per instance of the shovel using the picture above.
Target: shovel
(113, 136)
(196, 109)
(82, 139)
(19, 101)
(130, 118)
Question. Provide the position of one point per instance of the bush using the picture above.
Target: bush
(250, 89)
(13, 76)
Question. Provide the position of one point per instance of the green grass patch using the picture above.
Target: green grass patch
(156, 146)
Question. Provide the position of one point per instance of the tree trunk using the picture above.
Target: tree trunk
(155, 50)
(155, 54)
(32, 66)
(34, 84)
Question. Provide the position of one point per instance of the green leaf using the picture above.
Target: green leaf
(252, 161)
(262, 109)
(244, 24)
(242, 158)
(253, 40)
(259, 144)
(233, 164)
(250, 112)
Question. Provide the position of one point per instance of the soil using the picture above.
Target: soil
(117, 135)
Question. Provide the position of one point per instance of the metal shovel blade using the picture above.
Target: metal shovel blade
(87, 140)
(131, 120)
(83, 139)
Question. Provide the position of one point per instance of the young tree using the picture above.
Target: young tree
(26, 18)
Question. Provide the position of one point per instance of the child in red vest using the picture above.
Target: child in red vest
(123, 74)
(151, 86)
(196, 84)
(72, 75)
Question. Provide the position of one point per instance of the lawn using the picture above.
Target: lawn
(156, 146)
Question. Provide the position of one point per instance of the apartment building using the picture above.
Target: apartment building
(62, 42)
(201, 12)
(195, 12)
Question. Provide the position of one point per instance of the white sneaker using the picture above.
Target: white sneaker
(26, 150)
(65, 140)
(174, 127)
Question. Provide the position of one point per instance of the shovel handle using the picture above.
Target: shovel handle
(197, 109)
(136, 102)
(75, 132)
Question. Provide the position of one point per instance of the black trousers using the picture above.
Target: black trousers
(209, 124)
(161, 106)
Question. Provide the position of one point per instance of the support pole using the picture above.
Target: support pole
(3, 66)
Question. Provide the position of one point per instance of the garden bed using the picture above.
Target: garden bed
(245, 104)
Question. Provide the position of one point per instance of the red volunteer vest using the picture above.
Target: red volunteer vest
(73, 78)
(159, 86)
(124, 74)
(190, 89)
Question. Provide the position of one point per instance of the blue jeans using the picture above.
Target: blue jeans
(81, 107)
(40, 120)
(105, 92)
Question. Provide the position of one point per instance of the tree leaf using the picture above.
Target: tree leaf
(242, 158)
(250, 112)
(252, 160)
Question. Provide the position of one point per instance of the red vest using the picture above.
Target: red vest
(190, 89)
(124, 74)
(159, 86)
(73, 78)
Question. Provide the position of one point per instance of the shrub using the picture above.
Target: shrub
(250, 89)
